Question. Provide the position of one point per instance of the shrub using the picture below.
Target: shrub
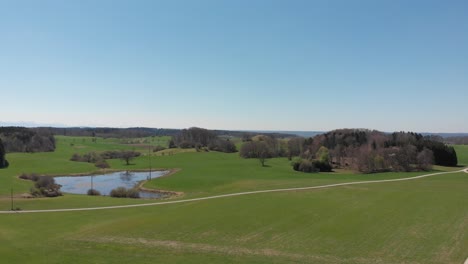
(119, 192)
(33, 176)
(122, 192)
(133, 193)
(322, 166)
(75, 157)
(93, 192)
(35, 192)
(304, 166)
(311, 166)
(102, 164)
(43, 186)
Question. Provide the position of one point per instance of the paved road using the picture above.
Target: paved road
(228, 195)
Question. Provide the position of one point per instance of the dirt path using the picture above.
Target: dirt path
(230, 195)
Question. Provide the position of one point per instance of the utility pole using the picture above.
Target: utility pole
(149, 156)
(12, 208)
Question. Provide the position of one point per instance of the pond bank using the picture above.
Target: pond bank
(105, 181)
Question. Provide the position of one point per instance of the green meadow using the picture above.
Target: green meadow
(417, 221)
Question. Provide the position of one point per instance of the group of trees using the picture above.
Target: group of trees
(21, 139)
(198, 138)
(359, 149)
(44, 186)
(320, 162)
(109, 132)
(99, 159)
(263, 147)
(256, 149)
(374, 151)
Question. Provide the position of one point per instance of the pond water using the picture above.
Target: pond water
(104, 183)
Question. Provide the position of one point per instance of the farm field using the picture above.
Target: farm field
(418, 221)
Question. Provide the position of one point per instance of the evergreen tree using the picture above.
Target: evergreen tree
(3, 161)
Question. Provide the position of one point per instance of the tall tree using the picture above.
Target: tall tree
(128, 155)
(3, 161)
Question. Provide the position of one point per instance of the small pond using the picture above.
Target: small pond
(104, 183)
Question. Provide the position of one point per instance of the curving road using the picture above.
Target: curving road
(229, 195)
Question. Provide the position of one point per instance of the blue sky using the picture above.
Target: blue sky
(265, 65)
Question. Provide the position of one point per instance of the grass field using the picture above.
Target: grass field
(462, 154)
(419, 221)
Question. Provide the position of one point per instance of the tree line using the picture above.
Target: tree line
(99, 159)
(358, 149)
(3, 161)
(374, 151)
(198, 138)
(138, 132)
(109, 132)
(21, 139)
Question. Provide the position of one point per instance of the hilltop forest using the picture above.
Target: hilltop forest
(358, 149)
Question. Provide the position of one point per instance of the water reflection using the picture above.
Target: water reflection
(126, 176)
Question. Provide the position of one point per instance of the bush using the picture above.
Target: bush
(44, 186)
(304, 166)
(122, 192)
(133, 193)
(75, 157)
(35, 192)
(93, 192)
(119, 192)
(102, 164)
(311, 166)
(33, 176)
(322, 166)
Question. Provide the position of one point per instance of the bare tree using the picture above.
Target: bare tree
(425, 159)
(129, 155)
(295, 147)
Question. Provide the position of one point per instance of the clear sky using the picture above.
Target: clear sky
(240, 64)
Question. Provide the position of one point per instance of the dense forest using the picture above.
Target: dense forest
(358, 149)
(374, 151)
(198, 138)
(20, 139)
